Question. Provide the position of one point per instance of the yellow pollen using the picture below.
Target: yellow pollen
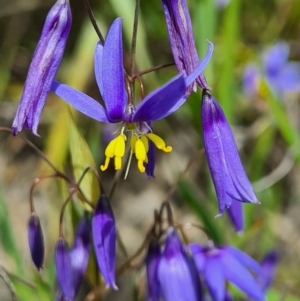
(115, 148)
(140, 153)
(159, 142)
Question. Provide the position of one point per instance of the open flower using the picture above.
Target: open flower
(227, 172)
(109, 72)
(281, 75)
(218, 265)
(182, 41)
(43, 67)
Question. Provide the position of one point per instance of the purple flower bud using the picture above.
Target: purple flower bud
(104, 236)
(181, 37)
(228, 175)
(43, 67)
(218, 265)
(36, 241)
(177, 274)
(64, 270)
(152, 261)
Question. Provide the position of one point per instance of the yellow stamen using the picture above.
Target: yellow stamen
(145, 142)
(116, 148)
(159, 142)
(133, 140)
(140, 154)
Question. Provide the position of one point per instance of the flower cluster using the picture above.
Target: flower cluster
(175, 271)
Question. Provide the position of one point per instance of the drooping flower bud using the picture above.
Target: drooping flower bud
(152, 261)
(64, 270)
(181, 37)
(43, 67)
(177, 274)
(104, 237)
(36, 241)
(226, 169)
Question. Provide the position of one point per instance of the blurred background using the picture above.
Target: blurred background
(255, 75)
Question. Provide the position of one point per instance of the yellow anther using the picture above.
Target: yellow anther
(140, 153)
(145, 142)
(159, 142)
(133, 140)
(115, 148)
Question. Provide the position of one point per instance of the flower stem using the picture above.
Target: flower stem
(93, 20)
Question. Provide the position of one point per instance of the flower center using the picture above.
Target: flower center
(139, 145)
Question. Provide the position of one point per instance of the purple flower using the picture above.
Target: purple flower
(104, 236)
(177, 273)
(36, 241)
(228, 175)
(281, 75)
(43, 67)
(218, 265)
(64, 270)
(182, 41)
(269, 267)
(152, 261)
(109, 72)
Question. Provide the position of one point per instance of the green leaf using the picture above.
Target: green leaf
(81, 158)
(7, 239)
(230, 39)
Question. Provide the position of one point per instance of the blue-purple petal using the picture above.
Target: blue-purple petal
(214, 278)
(288, 79)
(79, 255)
(98, 57)
(177, 273)
(64, 270)
(268, 269)
(158, 103)
(104, 237)
(80, 101)
(150, 166)
(250, 80)
(236, 215)
(198, 253)
(152, 261)
(245, 259)
(199, 68)
(236, 273)
(275, 58)
(113, 80)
